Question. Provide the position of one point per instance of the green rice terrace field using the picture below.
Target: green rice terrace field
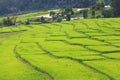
(76, 50)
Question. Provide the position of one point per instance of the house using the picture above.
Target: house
(45, 16)
(107, 6)
(78, 10)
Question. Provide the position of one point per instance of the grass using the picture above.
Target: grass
(76, 50)
(110, 67)
(13, 69)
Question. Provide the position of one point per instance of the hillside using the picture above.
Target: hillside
(18, 6)
(59, 40)
(76, 50)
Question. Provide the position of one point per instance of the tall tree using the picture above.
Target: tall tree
(116, 7)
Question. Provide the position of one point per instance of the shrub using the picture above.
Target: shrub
(9, 21)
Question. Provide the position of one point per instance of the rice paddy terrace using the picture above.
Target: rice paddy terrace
(75, 50)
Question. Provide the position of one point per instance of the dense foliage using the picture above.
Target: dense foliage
(116, 7)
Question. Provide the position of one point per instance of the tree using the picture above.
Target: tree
(9, 21)
(68, 17)
(42, 19)
(85, 13)
(116, 7)
(52, 13)
(107, 13)
(59, 19)
(100, 4)
(93, 13)
(68, 10)
(27, 22)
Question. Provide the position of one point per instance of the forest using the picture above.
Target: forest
(18, 6)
